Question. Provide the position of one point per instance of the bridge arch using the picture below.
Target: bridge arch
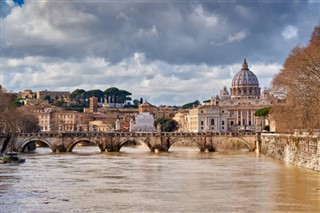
(136, 141)
(128, 141)
(75, 142)
(30, 140)
(247, 144)
(189, 139)
(240, 140)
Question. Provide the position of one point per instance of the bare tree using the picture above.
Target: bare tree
(7, 113)
(13, 120)
(298, 83)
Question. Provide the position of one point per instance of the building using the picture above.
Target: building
(52, 94)
(228, 112)
(56, 119)
(143, 123)
(93, 104)
(157, 112)
(147, 107)
(26, 94)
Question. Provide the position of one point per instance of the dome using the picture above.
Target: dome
(245, 84)
(245, 77)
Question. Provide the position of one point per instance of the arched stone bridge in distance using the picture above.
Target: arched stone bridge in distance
(156, 141)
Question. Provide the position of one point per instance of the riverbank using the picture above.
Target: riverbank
(299, 150)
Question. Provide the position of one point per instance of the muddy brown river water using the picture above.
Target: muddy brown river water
(136, 180)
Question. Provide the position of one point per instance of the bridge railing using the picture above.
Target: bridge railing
(132, 134)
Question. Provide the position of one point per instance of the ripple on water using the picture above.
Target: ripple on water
(136, 180)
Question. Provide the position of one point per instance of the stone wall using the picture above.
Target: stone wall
(300, 150)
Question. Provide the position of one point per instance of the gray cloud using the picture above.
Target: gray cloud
(151, 48)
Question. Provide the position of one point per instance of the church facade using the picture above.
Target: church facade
(228, 112)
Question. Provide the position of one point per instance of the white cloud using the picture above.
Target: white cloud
(10, 3)
(238, 36)
(289, 32)
(38, 22)
(152, 31)
(123, 16)
(200, 16)
(156, 50)
(136, 74)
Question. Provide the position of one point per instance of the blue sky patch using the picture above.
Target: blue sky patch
(19, 2)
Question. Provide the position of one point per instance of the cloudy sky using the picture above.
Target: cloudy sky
(168, 52)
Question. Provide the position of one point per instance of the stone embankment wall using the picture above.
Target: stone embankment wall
(300, 150)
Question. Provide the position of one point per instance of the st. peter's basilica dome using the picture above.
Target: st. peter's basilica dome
(245, 83)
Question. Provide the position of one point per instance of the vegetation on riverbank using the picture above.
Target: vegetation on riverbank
(297, 85)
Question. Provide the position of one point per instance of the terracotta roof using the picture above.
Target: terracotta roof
(146, 103)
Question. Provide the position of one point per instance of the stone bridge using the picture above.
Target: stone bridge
(156, 141)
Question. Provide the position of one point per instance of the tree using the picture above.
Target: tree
(27, 122)
(191, 105)
(167, 124)
(59, 103)
(136, 103)
(7, 113)
(122, 96)
(13, 121)
(262, 112)
(97, 93)
(114, 95)
(77, 95)
(111, 94)
(18, 102)
(48, 98)
(297, 84)
(141, 100)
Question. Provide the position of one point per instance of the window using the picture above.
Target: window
(222, 122)
(201, 111)
(212, 122)
(231, 123)
(250, 123)
(222, 111)
(201, 122)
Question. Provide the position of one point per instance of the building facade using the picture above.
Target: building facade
(53, 94)
(52, 119)
(228, 112)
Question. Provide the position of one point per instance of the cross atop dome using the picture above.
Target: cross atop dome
(245, 64)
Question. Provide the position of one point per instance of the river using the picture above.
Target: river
(136, 180)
